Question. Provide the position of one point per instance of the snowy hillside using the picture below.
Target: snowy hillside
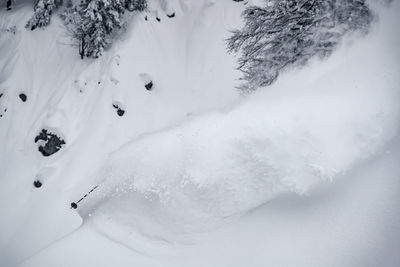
(186, 171)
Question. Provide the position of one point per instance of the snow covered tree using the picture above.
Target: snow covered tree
(93, 24)
(133, 5)
(98, 19)
(290, 32)
(42, 14)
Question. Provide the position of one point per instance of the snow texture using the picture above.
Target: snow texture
(302, 173)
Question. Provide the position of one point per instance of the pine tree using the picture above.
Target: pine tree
(290, 32)
(138, 5)
(42, 14)
(94, 24)
(98, 19)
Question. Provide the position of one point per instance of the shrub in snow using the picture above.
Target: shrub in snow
(290, 32)
(42, 14)
(50, 142)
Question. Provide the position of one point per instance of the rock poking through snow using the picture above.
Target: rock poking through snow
(120, 110)
(37, 183)
(149, 86)
(147, 80)
(49, 143)
(23, 97)
(3, 111)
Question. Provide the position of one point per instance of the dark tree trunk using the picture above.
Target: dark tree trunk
(82, 48)
(9, 3)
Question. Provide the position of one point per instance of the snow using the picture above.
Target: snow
(302, 173)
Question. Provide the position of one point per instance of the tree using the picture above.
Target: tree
(289, 32)
(9, 4)
(93, 24)
(98, 19)
(42, 14)
(138, 5)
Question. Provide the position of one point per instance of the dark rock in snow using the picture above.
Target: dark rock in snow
(37, 183)
(158, 19)
(149, 86)
(2, 113)
(52, 144)
(120, 112)
(145, 18)
(1, 94)
(171, 15)
(23, 97)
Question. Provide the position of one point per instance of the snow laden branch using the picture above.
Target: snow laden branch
(290, 32)
(42, 14)
(93, 23)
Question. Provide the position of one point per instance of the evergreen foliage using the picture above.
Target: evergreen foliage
(94, 23)
(289, 32)
(138, 5)
(42, 14)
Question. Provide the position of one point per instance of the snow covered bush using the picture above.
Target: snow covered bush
(42, 14)
(290, 32)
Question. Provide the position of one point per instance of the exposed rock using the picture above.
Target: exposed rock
(171, 15)
(119, 109)
(23, 97)
(149, 85)
(52, 143)
(37, 183)
(3, 110)
(120, 112)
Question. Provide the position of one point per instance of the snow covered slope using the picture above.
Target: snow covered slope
(75, 99)
(190, 156)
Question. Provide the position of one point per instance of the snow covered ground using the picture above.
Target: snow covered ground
(303, 173)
